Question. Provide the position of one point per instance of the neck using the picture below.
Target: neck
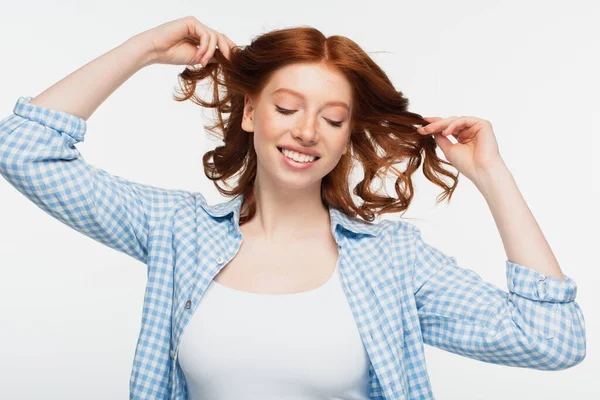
(289, 213)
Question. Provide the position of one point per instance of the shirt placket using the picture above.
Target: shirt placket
(196, 293)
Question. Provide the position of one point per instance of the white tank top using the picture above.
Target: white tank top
(243, 345)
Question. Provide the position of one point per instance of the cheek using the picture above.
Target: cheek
(267, 128)
(342, 142)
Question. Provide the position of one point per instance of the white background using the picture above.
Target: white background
(71, 308)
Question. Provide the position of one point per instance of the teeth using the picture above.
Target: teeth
(299, 157)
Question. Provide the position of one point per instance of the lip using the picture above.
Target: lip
(307, 151)
(296, 165)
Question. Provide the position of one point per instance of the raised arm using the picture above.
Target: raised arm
(39, 158)
(536, 324)
(82, 92)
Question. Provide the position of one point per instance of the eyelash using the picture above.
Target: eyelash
(284, 111)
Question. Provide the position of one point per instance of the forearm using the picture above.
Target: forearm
(523, 240)
(82, 92)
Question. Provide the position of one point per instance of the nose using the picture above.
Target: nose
(306, 131)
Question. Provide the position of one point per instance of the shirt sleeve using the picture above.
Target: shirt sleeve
(536, 324)
(39, 158)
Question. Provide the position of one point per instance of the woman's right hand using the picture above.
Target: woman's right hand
(175, 42)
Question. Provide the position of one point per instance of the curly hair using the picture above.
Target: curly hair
(382, 132)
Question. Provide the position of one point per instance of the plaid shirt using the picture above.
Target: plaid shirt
(402, 291)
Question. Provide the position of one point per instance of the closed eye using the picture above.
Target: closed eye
(336, 124)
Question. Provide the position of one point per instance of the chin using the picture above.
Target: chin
(296, 184)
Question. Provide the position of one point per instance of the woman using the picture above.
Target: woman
(283, 292)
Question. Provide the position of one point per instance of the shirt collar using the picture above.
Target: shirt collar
(336, 216)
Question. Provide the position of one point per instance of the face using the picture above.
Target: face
(306, 107)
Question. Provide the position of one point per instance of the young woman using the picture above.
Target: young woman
(289, 290)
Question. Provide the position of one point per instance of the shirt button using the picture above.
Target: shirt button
(542, 280)
(173, 353)
(220, 260)
(188, 304)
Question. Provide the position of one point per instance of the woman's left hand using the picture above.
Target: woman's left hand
(475, 153)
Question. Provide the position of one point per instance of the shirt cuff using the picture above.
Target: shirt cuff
(529, 283)
(61, 121)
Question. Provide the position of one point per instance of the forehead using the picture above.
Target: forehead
(310, 79)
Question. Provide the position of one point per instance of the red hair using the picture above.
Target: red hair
(382, 131)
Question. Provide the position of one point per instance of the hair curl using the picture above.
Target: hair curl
(383, 132)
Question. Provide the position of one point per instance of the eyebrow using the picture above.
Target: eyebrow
(293, 92)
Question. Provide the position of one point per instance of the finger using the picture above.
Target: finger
(204, 39)
(438, 125)
(198, 32)
(443, 143)
(449, 130)
(211, 49)
(223, 46)
(458, 125)
(232, 46)
(430, 120)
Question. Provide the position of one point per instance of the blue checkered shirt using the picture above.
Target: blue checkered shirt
(403, 292)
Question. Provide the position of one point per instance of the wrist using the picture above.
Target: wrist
(142, 49)
(495, 175)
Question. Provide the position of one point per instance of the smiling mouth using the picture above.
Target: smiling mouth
(281, 151)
